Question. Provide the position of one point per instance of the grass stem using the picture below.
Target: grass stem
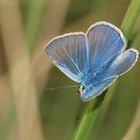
(93, 107)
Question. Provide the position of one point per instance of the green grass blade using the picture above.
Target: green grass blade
(89, 118)
(9, 120)
(130, 18)
(34, 19)
(104, 108)
(91, 112)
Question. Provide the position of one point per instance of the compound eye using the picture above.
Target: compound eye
(81, 88)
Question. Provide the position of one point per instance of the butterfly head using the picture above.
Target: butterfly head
(86, 92)
(81, 89)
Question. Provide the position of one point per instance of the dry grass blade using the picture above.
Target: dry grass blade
(52, 26)
(20, 72)
(131, 132)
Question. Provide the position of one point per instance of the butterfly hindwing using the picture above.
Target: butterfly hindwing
(123, 63)
(98, 88)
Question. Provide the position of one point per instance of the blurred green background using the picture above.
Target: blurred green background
(28, 109)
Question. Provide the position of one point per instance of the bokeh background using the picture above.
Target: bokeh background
(28, 109)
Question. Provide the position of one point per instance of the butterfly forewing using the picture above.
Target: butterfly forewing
(69, 54)
(105, 42)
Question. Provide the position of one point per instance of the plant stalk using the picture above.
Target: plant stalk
(93, 107)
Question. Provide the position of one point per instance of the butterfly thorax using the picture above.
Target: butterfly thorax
(94, 77)
(92, 80)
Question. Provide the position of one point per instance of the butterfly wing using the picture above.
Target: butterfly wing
(123, 63)
(105, 42)
(69, 53)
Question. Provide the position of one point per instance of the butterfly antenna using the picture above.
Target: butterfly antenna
(54, 88)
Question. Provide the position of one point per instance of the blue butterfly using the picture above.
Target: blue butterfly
(95, 59)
